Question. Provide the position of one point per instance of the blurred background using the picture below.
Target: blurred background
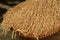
(6, 4)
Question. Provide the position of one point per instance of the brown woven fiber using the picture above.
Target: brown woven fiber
(33, 18)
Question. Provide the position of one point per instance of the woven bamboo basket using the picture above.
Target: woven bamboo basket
(33, 18)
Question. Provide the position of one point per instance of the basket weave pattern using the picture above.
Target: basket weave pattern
(33, 18)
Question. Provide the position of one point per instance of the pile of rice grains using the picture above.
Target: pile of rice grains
(33, 18)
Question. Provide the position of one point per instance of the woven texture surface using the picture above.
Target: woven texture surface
(33, 18)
